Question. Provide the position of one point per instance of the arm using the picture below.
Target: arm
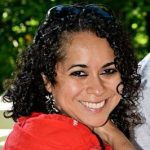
(114, 137)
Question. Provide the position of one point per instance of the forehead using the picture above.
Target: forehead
(87, 48)
(87, 45)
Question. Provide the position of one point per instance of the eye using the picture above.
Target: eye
(79, 73)
(108, 71)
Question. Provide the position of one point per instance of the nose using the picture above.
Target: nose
(96, 86)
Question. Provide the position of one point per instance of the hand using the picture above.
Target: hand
(111, 135)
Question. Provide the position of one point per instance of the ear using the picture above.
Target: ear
(47, 83)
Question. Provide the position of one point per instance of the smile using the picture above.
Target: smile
(93, 105)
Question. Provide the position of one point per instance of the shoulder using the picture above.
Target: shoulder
(50, 124)
(53, 130)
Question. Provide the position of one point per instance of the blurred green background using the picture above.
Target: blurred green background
(20, 19)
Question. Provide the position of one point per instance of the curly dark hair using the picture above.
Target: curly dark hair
(28, 93)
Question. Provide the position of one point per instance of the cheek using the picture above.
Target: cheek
(115, 82)
(113, 85)
(67, 95)
(67, 90)
(115, 89)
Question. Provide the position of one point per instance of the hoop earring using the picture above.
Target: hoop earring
(50, 104)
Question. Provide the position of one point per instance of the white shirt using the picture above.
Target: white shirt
(142, 133)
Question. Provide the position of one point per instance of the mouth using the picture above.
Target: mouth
(93, 106)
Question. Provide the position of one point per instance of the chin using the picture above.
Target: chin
(96, 124)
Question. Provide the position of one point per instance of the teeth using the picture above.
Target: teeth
(93, 105)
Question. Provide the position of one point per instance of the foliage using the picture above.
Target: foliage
(20, 19)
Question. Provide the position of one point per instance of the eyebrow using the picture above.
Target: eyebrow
(78, 65)
(85, 66)
(108, 64)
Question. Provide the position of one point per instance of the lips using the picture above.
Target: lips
(92, 105)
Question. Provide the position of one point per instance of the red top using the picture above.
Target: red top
(51, 132)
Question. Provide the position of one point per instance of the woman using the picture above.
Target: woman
(76, 86)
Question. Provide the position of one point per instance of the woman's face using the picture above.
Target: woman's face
(87, 80)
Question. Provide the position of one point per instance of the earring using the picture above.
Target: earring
(50, 104)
